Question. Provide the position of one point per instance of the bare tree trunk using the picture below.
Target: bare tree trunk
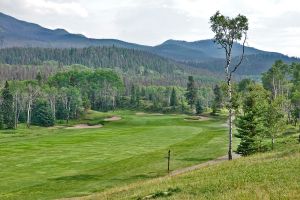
(28, 113)
(273, 141)
(16, 110)
(230, 119)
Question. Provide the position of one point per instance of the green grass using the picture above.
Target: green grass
(45, 163)
(271, 175)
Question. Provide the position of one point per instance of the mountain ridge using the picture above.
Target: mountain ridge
(200, 53)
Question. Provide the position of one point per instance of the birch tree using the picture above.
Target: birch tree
(32, 91)
(228, 31)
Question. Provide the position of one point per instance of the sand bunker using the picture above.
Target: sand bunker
(196, 118)
(114, 118)
(81, 126)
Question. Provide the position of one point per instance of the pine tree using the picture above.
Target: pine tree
(42, 114)
(1, 121)
(173, 98)
(133, 95)
(199, 108)
(191, 94)
(251, 124)
(39, 78)
(8, 108)
(218, 100)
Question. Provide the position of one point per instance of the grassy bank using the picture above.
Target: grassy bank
(272, 175)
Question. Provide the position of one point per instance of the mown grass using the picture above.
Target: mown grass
(47, 163)
(271, 175)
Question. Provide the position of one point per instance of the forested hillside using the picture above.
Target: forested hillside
(202, 54)
(135, 65)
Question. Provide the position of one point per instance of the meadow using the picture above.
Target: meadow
(58, 162)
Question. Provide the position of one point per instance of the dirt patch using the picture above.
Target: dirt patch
(114, 118)
(56, 127)
(82, 126)
(196, 118)
(205, 164)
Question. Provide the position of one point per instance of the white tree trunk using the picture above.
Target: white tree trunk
(28, 113)
(230, 119)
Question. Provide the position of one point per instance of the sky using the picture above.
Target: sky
(274, 25)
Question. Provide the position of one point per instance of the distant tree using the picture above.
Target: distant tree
(1, 121)
(243, 84)
(173, 98)
(7, 107)
(251, 123)
(275, 79)
(191, 94)
(31, 93)
(274, 119)
(133, 95)
(39, 78)
(199, 108)
(218, 100)
(42, 114)
(228, 31)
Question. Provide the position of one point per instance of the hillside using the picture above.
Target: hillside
(200, 54)
(270, 175)
(136, 65)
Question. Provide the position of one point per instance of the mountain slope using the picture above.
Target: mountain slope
(17, 33)
(203, 54)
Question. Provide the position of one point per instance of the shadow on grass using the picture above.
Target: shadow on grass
(79, 177)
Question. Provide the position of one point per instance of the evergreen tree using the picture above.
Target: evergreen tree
(133, 95)
(8, 108)
(191, 94)
(199, 108)
(218, 100)
(173, 98)
(42, 114)
(39, 78)
(251, 124)
(1, 121)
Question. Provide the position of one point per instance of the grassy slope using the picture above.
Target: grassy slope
(272, 175)
(43, 163)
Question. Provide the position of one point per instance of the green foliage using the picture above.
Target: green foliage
(276, 78)
(218, 100)
(1, 121)
(191, 94)
(173, 98)
(228, 29)
(199, 107)
(251, 123)
(42, 114)
(7, 108)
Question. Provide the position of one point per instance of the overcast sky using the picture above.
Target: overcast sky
(274, 24)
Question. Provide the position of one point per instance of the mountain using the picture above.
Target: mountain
(197, 51)
(17, 33)
(203, 54)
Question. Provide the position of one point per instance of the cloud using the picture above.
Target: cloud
(45, 7)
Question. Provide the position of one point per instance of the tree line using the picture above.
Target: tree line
(69, 93)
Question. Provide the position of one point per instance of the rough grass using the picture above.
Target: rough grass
(45, 163)
(272, 175)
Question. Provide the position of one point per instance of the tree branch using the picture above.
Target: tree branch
(242, 57)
